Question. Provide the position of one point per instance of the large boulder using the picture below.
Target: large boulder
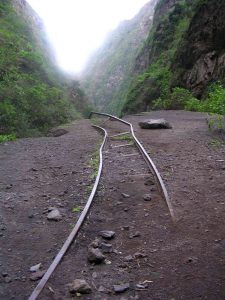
(155, 124)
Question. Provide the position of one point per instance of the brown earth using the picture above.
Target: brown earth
(158, 258)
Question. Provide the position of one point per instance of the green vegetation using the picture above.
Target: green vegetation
(76, 209)
(155, 83)
(94, 164)
(6, 138)
(33, 96)
(110, 70)
(158, 86)
(125, 137)
(217, 143)
(180, 98)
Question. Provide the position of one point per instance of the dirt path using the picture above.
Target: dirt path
(162, 261)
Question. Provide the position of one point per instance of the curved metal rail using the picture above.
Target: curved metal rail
(76, 228)
(150, 163)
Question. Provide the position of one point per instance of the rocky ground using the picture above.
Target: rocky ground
(148, 256)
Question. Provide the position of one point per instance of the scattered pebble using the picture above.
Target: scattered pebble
(107, 234)
(95, 255)
(37, 275)
(125, 195)
(102, 289)
(128, 258)
(135, 234)
(106, 248)
(121, 288)
(54, 215)
(147, 197)
(35, 268)
(79, 286)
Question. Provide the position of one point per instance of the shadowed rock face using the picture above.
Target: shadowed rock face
(203, 55)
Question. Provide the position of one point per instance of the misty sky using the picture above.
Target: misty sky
(77, 27)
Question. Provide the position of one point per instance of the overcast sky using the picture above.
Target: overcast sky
(77, 27)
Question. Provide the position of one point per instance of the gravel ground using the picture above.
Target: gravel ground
(152, 257)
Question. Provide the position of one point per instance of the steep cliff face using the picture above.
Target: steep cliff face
(34, 95)
(201, 59)
(184, 49)
(108, 73)
(35, 24)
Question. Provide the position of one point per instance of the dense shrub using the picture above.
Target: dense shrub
(32, 95)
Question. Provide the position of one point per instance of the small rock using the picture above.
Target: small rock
(125, 195)
(54, 215)
(139, 255)
(128, 258)
(95, 243)
(37, 275)
(8, 279)
(155, 124)
(30, 216)
(106, 248)
(135, 234)
(147, 197)
(4, 274)
(126, 227)
(107, 234)
(94, 275)
(149, 182)
(9, 186)
(95, 255)
(121, 288)
(79, 286)
(35, 268)
(103, 290)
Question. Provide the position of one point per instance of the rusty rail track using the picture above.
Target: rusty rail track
(161, 186)
(148, 160)
(36, 292)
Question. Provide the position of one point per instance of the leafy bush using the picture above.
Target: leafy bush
(33, 96)
(6, 138)
(215, 101)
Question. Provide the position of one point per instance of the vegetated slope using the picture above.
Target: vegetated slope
(33, 94)
(185, 58)
(108, 73)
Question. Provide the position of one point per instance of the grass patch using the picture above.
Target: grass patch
(216, 143)
(76, 209)
(125, 137)
(6, 138)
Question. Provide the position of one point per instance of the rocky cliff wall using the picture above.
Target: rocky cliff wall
(202, 56)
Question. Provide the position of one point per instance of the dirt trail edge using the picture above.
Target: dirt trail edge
(149, 258)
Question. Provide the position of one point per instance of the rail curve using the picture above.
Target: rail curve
(161, 186)
(36, 292)
(148, 160)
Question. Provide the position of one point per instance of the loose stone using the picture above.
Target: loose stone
(106, 248)
(37, 275)
(155, 124)
(79, 286)
(107, 234)
(54, 215)
(121, 288)
(125, 195)
(95, 255)
(147, 197)
(35, 268)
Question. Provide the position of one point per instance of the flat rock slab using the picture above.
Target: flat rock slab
(155, 124)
